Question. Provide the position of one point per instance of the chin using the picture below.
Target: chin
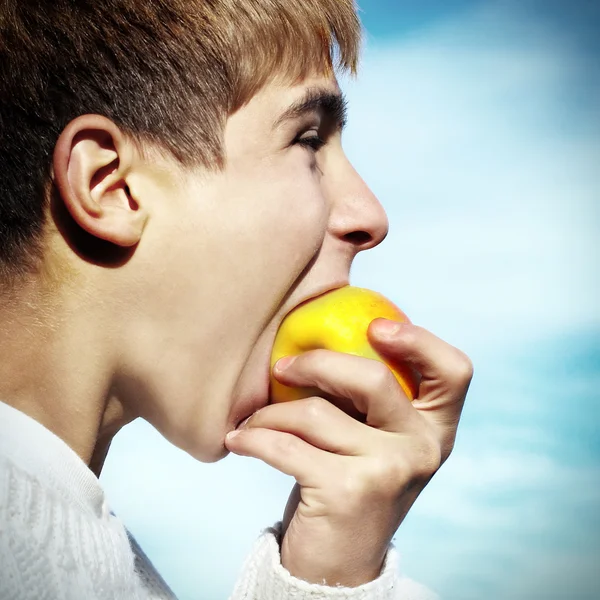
(213, 455)
(199, 426)
(204, 446)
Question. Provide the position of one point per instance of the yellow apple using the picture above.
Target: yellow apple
(337, 320)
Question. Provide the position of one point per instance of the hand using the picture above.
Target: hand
(357, 481)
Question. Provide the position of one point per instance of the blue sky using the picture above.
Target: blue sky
(478, 126)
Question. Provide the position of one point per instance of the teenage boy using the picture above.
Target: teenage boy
(172, 184)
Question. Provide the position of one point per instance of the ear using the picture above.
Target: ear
(92, 164)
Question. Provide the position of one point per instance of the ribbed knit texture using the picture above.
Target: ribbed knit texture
(59, 540)
(265, 579)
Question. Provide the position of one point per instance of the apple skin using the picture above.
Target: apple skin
(338, 321)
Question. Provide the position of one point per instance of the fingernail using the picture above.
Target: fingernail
(284, 363)
(232, 434)
(387, 327)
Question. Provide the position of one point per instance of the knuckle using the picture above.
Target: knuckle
(314, 409)
(382, 380)
(354, 485)
(384, 477)
(465, 367)
(346, 491)
(352, 488)
(460, 372)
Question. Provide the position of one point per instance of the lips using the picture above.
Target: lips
(317, 293)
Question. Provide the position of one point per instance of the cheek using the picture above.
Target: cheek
(302, 221)
(304, 207)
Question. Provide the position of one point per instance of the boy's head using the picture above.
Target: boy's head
(166, 195)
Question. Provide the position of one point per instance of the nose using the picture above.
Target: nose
(357, 217)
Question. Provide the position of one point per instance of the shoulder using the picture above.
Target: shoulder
(52, 547)
(26, 552)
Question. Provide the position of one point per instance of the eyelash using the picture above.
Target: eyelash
(313, 143)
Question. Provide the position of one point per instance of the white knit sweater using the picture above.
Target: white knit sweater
(60, 541)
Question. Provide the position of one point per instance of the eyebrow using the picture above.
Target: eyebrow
(333, 106)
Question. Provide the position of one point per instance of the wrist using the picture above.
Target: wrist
(329, 566)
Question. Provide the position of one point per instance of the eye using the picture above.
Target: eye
(311, 140)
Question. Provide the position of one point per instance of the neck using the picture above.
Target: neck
(55, 367)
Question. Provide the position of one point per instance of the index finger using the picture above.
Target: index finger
(369, 384)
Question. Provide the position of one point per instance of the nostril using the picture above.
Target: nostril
(358, 237)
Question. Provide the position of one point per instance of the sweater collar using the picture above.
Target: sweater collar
(42, 454)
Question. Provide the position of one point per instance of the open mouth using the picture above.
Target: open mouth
(259, 401)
